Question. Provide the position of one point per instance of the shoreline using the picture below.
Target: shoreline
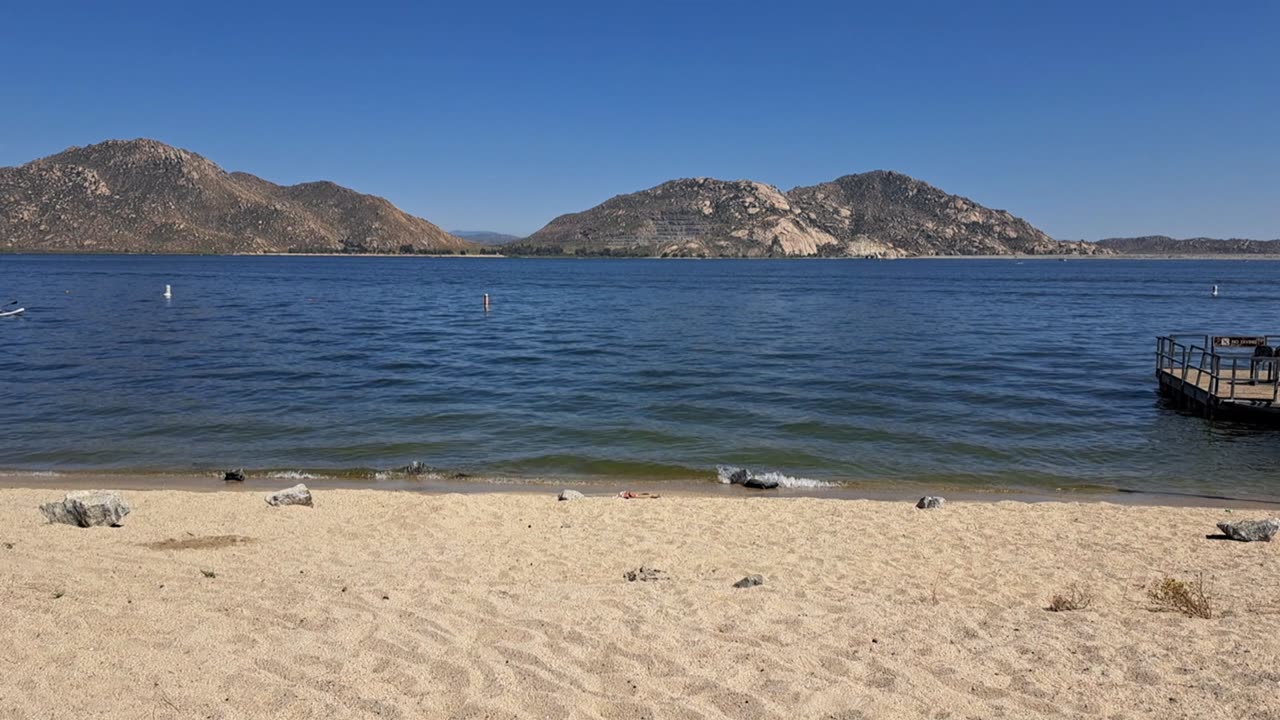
(435, 485)
(1020, 258)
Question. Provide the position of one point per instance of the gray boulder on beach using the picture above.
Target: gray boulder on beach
(931, 502)
(296, 495)
(87, 508)
(1250, 530)
(567, 494)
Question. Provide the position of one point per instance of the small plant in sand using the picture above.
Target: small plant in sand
(1189, 598)
(209, 573)
(1076, 597)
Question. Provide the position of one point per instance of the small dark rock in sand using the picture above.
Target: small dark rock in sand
(86, 508)
(234, 475)
(743, 477)
(930, 502)
(1250, 530)
(644, 574)
(750, 581)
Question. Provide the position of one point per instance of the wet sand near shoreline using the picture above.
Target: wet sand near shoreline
(440, 483)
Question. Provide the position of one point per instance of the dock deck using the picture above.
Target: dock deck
(1223, 376)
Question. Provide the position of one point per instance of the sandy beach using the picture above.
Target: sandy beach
(405, 605)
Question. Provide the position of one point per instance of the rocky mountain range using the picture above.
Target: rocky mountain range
(881, 214)
(142, 196)
(1163, 245)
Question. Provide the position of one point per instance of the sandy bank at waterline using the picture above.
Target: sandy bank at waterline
(514, 605)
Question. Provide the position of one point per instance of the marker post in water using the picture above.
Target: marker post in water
(486, 302)
(168, 293)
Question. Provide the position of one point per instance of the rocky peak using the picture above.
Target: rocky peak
(880, 213)
(145, 196)
(917, 218)
(700, 217)
(130, 156)
(136, 167)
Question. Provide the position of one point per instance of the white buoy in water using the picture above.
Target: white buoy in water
(486, 302)
(167, 292)
(1215, 291)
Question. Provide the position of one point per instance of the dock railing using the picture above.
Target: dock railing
(1194, 363)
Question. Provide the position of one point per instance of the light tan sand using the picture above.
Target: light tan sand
(399, 605)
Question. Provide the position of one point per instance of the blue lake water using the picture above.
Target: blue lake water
(1032, 374)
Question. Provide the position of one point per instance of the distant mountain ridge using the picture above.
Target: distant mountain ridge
(1165, 245)
(486, 237)
(142, 196)
(879, 213)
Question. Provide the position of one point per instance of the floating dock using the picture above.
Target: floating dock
(1222, 376)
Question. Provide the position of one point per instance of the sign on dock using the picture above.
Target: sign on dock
(1240, 341)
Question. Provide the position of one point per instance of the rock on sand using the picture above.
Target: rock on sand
(296, 495)
(1250, 530)
(87, 508)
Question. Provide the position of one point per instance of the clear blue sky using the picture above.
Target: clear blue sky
(1089, 119)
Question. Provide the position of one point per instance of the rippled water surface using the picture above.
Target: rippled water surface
(1030, 374)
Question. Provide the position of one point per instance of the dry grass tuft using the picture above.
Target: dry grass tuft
(1076, 597)
(1188, 598)
(209, 542)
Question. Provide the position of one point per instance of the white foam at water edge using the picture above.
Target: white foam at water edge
(794, 482)
(292, 475)
(400, 475)
(724, 471)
